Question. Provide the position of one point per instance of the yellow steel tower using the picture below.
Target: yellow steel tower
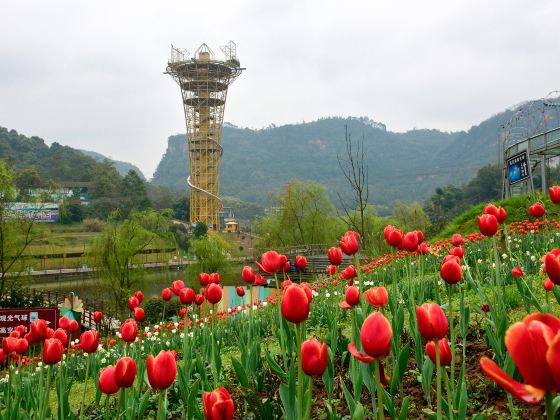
(204, 81)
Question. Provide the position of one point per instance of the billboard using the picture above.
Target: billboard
(11, 318)
(518, 168)
(38, 212)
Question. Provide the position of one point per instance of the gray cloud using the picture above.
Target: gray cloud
(90, 74)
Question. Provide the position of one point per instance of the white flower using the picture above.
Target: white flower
(479, 261)
(103, 361)
(533, 258)
(167, 343)
(182, 335)
(504, 256)
(174, 331)
(328, 295)
(264, 303)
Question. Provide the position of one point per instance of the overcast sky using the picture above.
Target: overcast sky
(89, 74)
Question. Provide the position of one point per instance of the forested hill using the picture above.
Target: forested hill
(405, 166)
(53, 163)
(122, 167)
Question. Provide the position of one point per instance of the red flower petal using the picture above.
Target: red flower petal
(344, 305)
(526, 393)
(359, 355)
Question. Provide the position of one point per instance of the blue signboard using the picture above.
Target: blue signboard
(518, 168)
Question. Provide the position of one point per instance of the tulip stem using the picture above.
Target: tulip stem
(452, 336)
(85, 384)
(213, 364)
(47, 392)
(548, 398)
(300, 373)
(438, 381)
(380, 412)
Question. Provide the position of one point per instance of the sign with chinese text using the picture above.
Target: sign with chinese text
(518, 168)
(11, 318)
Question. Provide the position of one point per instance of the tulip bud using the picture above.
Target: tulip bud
(552, 265)
(62, 336)
(301, 262)
(161, 369)
(199, 299)
(554, 194)
(21, 345)
(218, 405)
(125, 372)
(314, 357)
(214, 293)
(259, 280)
(107, 383)
(240, 291)
(166, 294)
(377, 296)
(349, 273)
(89, 341)
(187, 295)
(52, 351)
(410, 242)
(548, 284)
(248, 274)
(97, 317)
(349, 243)
(176, 287)
(182, 312)
(375, 335)
(444, 352)
(295, 304)
(451, 272)
(488, 224)
(129, 329)
(331, 269)
(432, 322)
(352, 296)
(140, 296)
(139, 314)
(457, 240)
(271, 262)
(133, 303)
(214, 278)
(335, 256)
(537, 210)
(517, 272)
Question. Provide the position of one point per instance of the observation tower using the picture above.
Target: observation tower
(204, 82)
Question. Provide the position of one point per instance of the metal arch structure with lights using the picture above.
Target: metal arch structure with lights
(204, 82)
(533, 135)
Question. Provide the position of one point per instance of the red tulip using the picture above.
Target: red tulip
(21, 345)
(393, 236)
(73, 326)
(552, 265)
(214, 278)
(62, 336)
(502, 215)
(214, 293)
(39, 329)
(491, 209)
(548, 284)
(314, 357)
(488, 224)
(295, 304)
(410, 242)
(161, 369)
(9, 344)
(432, 322)
(107, 383)
(485, 308)
(259, 280)
(63, 322)
(420, 236)
(248, 274)
(218, 405)
(129, 330)
(301, 262)
(182, 312)
(554, 194)
(89, 341)
(187, 295)
(444, 352)
(457, 239)
(377, 296)
(458, 252)
(166, 294)
(199, 300)
(52, 351)
(517, 272)
(352, 296)
(335, 256)
(286, 267)
(125, 372)
(533, 346)
(451, 272)
(331, 269)
(204, 279)
(133, 303)
(140, 296)
(240, 291)
(349, 243)
(349, 273)
(139, 314)
(537, 210)
(176, 287)
(423, 248)
(271, 262)
(375, 336)
(97, 317)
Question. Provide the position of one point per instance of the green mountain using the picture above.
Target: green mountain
(122, 167)
(405, 166)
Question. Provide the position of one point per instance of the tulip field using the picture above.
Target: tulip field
(464, 327)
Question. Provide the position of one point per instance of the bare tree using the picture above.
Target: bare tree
(353, 166)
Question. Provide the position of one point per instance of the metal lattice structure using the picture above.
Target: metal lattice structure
(204, 82)
(534, 128)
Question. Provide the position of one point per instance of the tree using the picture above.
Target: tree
(355, 171)
(133, 193)
(410, 216)
(117, 252)
(210, 256)
(305, 216)
(26, 179)
(17, 231)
